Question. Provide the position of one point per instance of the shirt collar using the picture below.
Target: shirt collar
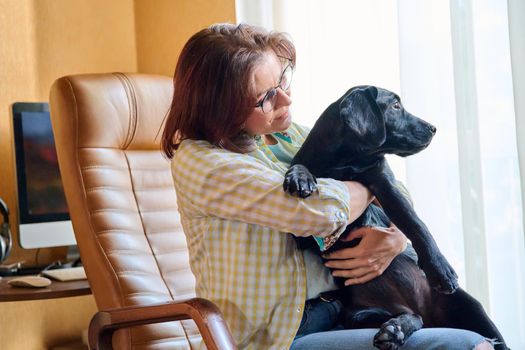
(285, 136)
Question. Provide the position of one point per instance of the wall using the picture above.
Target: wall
(41, 40)
(163, 29)
(17, 83)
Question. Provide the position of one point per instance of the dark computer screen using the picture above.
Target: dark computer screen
(40, 192)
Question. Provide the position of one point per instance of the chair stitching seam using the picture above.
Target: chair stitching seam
(144, 229)
(132, 104)
(96, 167)
(97, 188)
(120, 188)
(123, 231)
(137, 272)
(136, 252)
(158, 211)
(114, 210)
(145, 189)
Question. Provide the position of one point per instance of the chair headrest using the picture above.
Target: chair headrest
(115, 110)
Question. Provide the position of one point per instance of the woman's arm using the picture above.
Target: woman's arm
(360, 198)
(239, 187)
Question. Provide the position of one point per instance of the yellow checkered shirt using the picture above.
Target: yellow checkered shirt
(237, 220)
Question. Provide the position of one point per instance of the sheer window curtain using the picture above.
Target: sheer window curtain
(459, 65)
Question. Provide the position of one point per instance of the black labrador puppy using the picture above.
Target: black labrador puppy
(349, 142)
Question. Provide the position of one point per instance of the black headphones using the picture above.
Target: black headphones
(5, 235)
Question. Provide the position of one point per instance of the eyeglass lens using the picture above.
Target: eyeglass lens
(271, 96)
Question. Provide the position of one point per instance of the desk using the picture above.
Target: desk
(43, 318)
(57, 289)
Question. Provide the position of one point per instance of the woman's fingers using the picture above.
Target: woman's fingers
(350, 264)
(357, 252)
(376, 268)
(370, 258)
(356, 272)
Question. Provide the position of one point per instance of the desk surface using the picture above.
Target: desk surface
(57, 289)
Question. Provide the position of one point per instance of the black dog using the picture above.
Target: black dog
(348, 142)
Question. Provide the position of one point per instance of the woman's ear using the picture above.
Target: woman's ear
(363, 117)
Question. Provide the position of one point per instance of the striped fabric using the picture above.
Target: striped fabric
(237, 221)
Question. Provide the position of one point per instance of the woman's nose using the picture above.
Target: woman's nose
(283, 98)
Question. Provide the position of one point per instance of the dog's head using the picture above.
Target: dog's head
(375, 122)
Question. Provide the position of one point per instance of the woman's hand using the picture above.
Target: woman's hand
(370, 258)
(360, 198)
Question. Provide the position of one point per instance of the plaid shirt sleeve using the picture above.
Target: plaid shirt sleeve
(243, 188)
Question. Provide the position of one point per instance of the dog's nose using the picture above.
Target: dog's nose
(432, 129)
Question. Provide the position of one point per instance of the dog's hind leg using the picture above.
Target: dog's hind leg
(465, 312)
(394, 332)
(364, 317)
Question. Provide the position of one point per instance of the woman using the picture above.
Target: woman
(231, 127)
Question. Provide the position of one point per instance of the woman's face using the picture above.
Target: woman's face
(266, 76)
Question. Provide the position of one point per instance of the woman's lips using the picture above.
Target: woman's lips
(282, 116)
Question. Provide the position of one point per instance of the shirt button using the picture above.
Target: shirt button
(298, 309)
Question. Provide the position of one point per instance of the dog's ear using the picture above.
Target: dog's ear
(361, 114)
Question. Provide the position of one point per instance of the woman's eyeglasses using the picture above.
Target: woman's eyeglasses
(267, 103)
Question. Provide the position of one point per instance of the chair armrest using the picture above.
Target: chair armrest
(207, 316)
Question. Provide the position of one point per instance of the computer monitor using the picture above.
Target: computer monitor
(42, 207)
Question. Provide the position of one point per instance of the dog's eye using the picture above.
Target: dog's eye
(396, 105)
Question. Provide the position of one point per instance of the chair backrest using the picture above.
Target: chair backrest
(121, 197)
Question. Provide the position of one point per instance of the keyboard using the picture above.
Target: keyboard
(66, 274)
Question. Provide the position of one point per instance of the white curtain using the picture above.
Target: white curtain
(451, 64)
(456, 72)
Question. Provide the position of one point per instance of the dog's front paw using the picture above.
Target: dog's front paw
(298, 181)
(390, 336)
(441, 275)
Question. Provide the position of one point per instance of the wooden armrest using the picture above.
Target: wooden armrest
(207, 316)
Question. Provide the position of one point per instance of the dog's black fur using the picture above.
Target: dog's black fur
(348, 142)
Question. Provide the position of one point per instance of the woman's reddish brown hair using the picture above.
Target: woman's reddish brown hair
(214, 93)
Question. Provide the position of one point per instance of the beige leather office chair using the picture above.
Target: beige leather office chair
(123, 206)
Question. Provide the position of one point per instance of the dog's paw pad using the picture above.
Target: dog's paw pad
(441, 275)
(389, 337)
(448, 285)
(299, 182)
(446, 290)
